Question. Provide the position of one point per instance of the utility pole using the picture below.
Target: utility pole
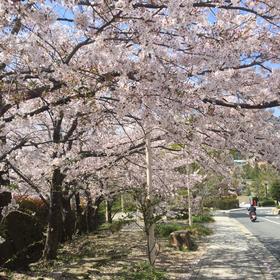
(190, 207)
(122, 203)
(106, 211)
(150, 225)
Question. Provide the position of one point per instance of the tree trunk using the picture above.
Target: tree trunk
(78, 225)
(109, 205)
(54, 230)
(91, 212)
(68, 219)
(150, 233)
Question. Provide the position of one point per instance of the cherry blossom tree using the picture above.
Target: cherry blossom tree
(78, 79)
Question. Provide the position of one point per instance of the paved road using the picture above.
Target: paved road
(234, 253)
(266, 228)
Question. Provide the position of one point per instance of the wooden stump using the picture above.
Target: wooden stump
(181, 239)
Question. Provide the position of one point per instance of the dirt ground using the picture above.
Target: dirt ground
(102, 256)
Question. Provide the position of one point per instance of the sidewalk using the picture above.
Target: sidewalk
(235, 254)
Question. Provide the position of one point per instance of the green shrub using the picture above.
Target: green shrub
(115, 226)
(101, 214)
(202, 219)
(205, 211)
(267, 202)
(142, 271)
(275, 190)
(199, 230)
(182, 214)
(164, 230)
(130, 207)
(130, 204)
(225, 203)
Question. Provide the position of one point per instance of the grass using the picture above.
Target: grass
(164, 230)
(199, 230)
(141, 271)
(115, 226)
(202, 219)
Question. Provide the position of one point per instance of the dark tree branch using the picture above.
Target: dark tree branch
(62, 101)
(28, 181)
(88, 40)
(207, 5)
(65, 19)
(76, 48)
(240, 67)
(18, 146)
(149, 6)
(108, 22)
(230, 7)
(57, 128)
(224, 103)
(4, 109)
(71, 130)
(37, 92)
(133, 148)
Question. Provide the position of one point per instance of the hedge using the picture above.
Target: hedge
(267, 202)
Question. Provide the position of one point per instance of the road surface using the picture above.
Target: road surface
(266, 228)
